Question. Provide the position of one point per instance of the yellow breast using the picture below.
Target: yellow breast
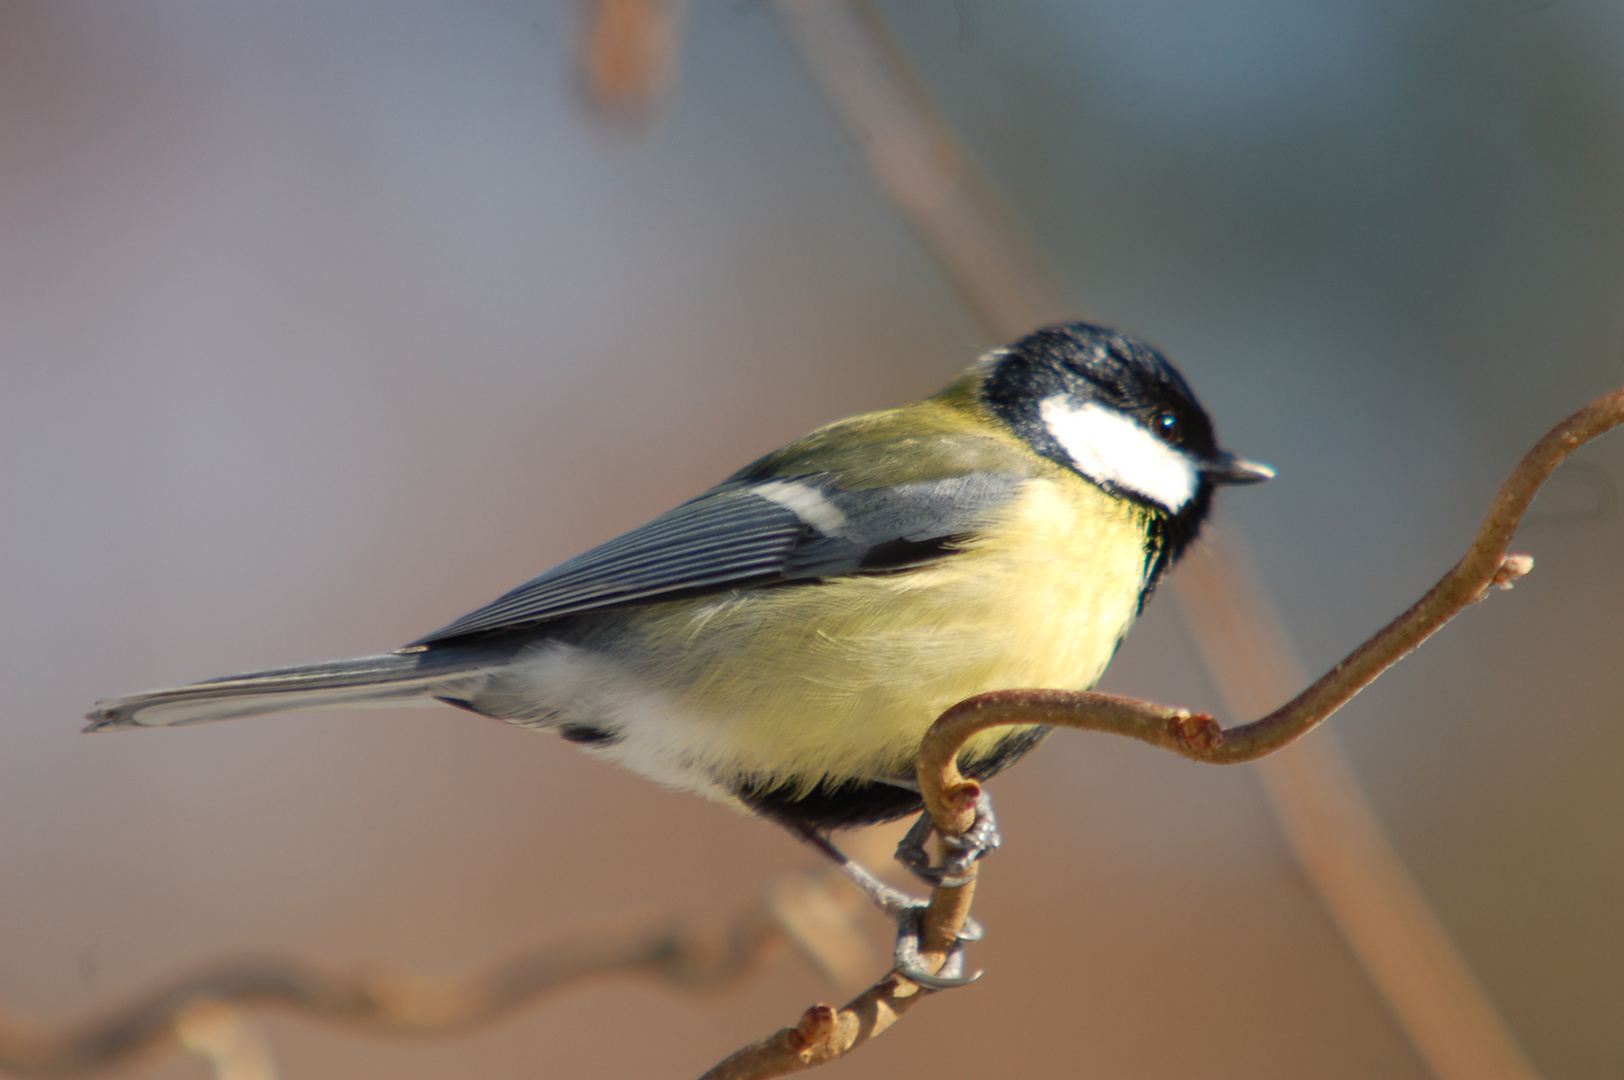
(840, 679)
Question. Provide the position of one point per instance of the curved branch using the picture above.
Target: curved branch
(1198, 736)
(824, 1033)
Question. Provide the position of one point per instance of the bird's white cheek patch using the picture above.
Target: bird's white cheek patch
(1110, 448)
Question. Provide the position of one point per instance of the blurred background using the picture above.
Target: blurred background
(321, 324)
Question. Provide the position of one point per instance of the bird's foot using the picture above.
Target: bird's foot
(961, 852)
(910, 962)
(907, 912)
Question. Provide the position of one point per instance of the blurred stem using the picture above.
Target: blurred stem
(195, 1011)
(1335, 835)
(628, 56)
(918, 162)
(234, 1048)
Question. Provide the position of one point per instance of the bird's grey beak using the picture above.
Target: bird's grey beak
(1229, 468)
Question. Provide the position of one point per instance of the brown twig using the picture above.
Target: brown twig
(824, 1033)
(1197, 736)
(404, 1004)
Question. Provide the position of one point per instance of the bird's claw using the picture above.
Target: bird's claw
(907, 911)
(909, 962)
(961, 851)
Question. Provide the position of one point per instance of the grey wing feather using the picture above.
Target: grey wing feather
(779, 530)
(717, 539)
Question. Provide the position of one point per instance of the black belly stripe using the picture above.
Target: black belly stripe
(587, 735)
(849, 804)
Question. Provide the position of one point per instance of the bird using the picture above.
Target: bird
(782, 641)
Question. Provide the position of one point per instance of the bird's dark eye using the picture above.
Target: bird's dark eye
(1167, 428)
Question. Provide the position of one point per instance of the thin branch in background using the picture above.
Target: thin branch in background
(818, 912)
(232, 1044)
(196, 1011)
(918, 161)
(976, 239)
(628, 56)
(201, 1013)
(1335, 835)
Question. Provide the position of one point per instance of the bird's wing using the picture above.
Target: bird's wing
(753, 533)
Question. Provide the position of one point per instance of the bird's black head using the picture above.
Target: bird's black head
(1113, 409)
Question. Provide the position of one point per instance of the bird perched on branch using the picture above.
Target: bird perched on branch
(782, 641)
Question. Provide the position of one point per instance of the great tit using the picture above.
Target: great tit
(782, 641)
